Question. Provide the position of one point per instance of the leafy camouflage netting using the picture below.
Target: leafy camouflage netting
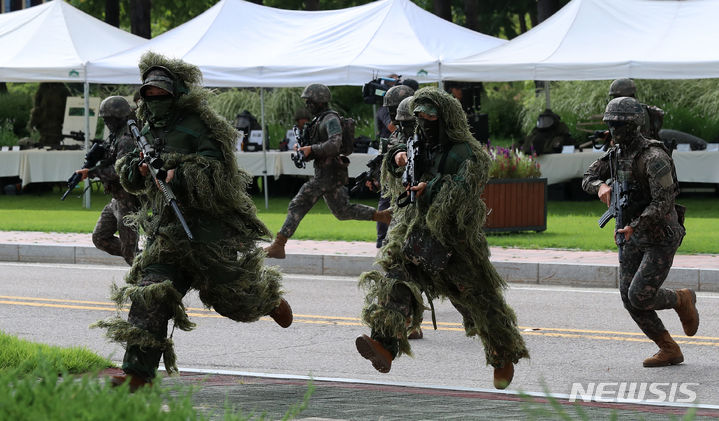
(454, 218)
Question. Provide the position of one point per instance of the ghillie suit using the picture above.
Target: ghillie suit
(223, 262)
(445, 222)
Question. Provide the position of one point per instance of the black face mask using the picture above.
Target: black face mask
(113, 123)
(623, 133)
(407, 128)
(429, 129)
(314, 108)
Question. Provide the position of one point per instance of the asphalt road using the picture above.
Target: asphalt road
(574, 335)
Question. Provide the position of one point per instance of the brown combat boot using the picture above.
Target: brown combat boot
(136, 382)
(374, 351)
(687, 310)
(416, 334)
(383, 216)
(276, 250)
(282, 314)
(669, 352)
(503, 375)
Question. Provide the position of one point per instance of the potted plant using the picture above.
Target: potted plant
(515, 195)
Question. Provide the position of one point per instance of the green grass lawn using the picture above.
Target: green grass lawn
(570, 225)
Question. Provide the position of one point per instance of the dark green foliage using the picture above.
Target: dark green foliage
(16, 106)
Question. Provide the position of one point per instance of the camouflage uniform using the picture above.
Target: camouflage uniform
(223, 261)
(446, 220)
(657, 222)
(325, 135)
(394, 96)
(48, 112)
(117, 145)
(549, 135)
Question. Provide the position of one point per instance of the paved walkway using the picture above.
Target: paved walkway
(340, 399)
(359, 248)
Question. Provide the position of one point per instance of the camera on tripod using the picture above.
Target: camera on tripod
(374, 90)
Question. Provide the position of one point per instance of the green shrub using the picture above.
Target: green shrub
(7, 135)
(16, 108)
(503, 105)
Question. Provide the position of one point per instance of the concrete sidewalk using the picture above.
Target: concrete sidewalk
(547, 267)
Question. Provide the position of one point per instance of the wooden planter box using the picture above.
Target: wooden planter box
(518, 204)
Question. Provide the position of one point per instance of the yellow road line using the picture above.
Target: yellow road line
(353, 321)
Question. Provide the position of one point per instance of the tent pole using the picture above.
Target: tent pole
(86, 184)
(547, 102)
(264, 148)
(440, 84)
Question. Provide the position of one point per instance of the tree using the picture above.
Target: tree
(443, 9)
(471, 8)
(546, 8)
(112, 12)
(140, 18)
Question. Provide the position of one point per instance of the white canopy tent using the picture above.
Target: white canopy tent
(605, 39)
(53, 42)
(237, 43)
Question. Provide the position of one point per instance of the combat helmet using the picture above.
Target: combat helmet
(159, 77)
(622, 87)
(317, 93)
(546, 119)
(625, 109)
(396, 94)
(114, 106)
(404, 113)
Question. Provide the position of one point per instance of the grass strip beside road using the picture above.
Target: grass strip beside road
(570, 225)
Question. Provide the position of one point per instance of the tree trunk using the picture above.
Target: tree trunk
(3, 88)
(256, 1)
(546, 8)
(443, 9)
(140, 18)
(15, 5)
(35, 2)
(522, 23)
(470, 13)
(312, 4)
(112, 12)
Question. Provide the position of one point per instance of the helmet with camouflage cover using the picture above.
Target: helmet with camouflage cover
(317, 93)
(625, 109)
(158, 77)
(114, 106)
(396, 94)
(404, 113)
(622, 87)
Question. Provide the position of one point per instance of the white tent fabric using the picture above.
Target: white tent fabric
(605, 39)
(238, 43)
(53, 42)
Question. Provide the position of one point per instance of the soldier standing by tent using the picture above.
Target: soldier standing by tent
(115, 111)
(324, 134)
(651, 225)
(437, 246)
(223, 261)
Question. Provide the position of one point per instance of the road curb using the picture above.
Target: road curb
(537, 273)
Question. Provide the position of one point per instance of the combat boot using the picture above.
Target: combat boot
(503, 375)
(374, 351)
(282, 314)
(687, 310)
(669, 352)
(276, 250)
(135, 383)
(383, 216)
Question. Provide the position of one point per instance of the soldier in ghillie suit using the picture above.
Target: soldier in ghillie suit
(437, 247)
(48, 113)
(115, 111)
(223, 262)
(653, 225)
(324, 134)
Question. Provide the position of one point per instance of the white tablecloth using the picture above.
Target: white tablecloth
(37, 166)
(694, 167)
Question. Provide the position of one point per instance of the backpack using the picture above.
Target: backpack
(348, 132)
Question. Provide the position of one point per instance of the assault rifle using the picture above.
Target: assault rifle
(299, 157)
(372, 174)
(154, 165)
(601, 135)
(619, 203)
(95, 154)
(77, 135)
(412, 172)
